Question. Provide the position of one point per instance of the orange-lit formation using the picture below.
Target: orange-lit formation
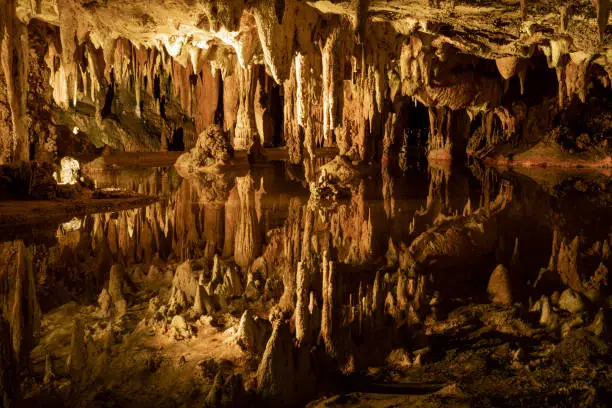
(305, 203)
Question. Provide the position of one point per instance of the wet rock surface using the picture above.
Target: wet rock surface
(462, 304)
(230, 203)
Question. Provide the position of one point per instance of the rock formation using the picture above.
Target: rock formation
(9, 386)
(500, 288)
(212, 149)
(348, 73)
(253, 333)
(113, 297)
(276, 379)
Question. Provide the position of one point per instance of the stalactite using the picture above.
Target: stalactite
(14, 56)
(246, 129)
(440, 140)
(331, 82)
(19, 302)
(276, 38)
(262, 101)
(206, 98)
(292, 131)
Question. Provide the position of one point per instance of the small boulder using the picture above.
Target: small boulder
(180, 328)
(399, 359)
(186, 280)
(571, 301)
(499, 288)
(213, 147)
(105, 302)
(253, 333)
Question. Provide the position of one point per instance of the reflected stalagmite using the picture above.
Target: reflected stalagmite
(247, 244)
(289, 203)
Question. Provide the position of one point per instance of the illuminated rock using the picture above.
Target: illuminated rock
(70, 171)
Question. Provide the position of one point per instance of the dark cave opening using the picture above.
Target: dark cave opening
(177, 143)
(412, 129)
(110, 96)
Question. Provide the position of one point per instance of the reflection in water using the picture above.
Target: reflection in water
(404, 251)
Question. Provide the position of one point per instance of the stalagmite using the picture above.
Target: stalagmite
(545, 316)
(302, 327)
(327, 313)
(499, 287)
(77, 360)
(378, 301)
(115, 289)
(567, 263)
(216, 274)
(232, 286)
(276, 373)
(253, 333)
(391, 254)
(49, 370)
(203, 303)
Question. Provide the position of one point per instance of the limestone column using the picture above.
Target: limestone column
(246, 128)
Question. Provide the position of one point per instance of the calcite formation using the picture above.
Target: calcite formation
(348, 72)
(270, 290)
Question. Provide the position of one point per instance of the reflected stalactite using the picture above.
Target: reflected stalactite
(352, 229)
(247, 244)
(450, 243)
(18, 298)
(232, 215)
(186, 234)
(277, 254)
(214, 225)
